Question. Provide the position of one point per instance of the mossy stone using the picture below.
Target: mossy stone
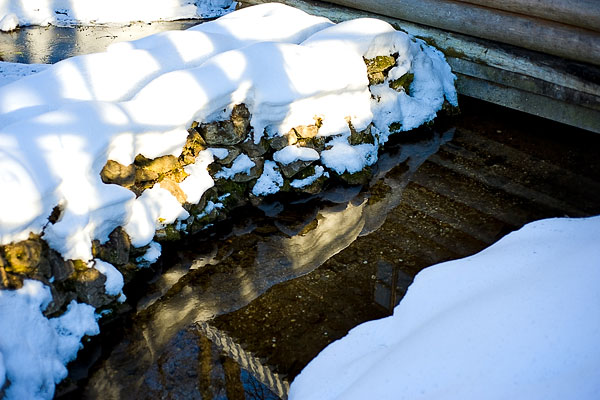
(403, 83)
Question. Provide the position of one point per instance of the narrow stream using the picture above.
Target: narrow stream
(238, 311)
(238, 314)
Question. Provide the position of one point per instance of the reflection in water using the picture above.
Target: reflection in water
(50, 44)
(202, 362)
(242, 359)
(222, 276)
(391, 285)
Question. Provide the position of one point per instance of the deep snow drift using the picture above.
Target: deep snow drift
(15, 13)
(518, 320)
(59, 127)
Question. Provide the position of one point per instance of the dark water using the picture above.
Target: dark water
(237, 312)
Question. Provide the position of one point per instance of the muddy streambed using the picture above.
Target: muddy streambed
(238, 311)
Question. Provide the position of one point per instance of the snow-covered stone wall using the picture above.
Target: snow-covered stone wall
(101, 155)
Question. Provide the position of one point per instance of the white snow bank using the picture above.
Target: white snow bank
(93, 12)
(518, 320)
(33, 349)
(60, 126)
(10, 72)
(9, 22)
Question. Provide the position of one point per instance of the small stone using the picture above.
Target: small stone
(160, 165)
(358, 178)
(193, 146)
(167, 234)
(232, 154)
(116, 249)
(118, 174)
(289, 170)
(364, 136)
(305, 131)
(174, 188)
(255, 149)
(88, 283)
(23, 257)
(61, 270)
(255, 171)
(378, 67)
(403, 83)
(229, 132)
(316, 143)
(144, 175)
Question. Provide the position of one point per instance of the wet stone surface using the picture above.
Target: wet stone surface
(436, 195)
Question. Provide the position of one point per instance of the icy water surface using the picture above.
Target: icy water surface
(50, 44)
(238, 312)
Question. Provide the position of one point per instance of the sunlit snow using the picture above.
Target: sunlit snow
(519, 320)
(60, 125)
(15, 13)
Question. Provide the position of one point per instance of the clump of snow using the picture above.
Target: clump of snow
(33, 349)
(242, 164)
(300, 183)
(154, 209)
(114, 280)
(92, 12)
(342, 157)
(290, 154)
(220, 153)
(9, 22)
(151, 255)
(199, 180)
(518, 320)
(270, 181)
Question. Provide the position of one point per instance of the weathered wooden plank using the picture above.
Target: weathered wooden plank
(502, 26)
(556, 110)
(524, 82)
(581, 13)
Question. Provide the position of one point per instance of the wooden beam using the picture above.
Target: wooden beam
(502, 26)
(556, 110)
(581, 13)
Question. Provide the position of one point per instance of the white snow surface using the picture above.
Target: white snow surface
(93, 12)
(10, 72)
(300, 183)
(518, 320)
(241, 164)
(58, 127)
(270, 181)
(114, 280)
(151, 255)
(9, 22)
(290, 154)
(33, 349)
